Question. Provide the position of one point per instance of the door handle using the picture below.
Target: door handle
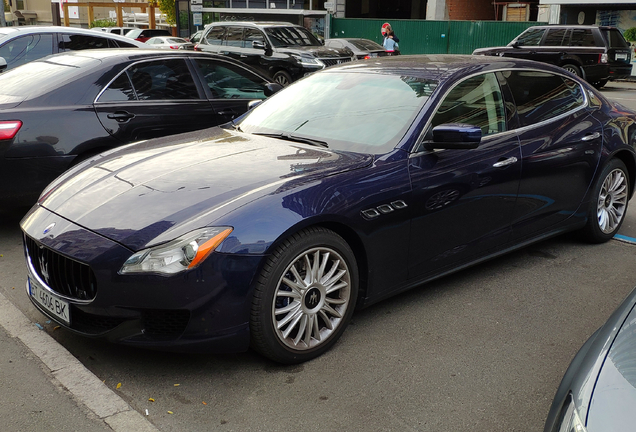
(227, 112)
(121, 116)
(505, 162)
(591, 136)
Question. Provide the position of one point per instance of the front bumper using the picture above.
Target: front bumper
(206, 309)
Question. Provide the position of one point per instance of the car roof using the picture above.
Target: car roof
(439, 67)
(22, 30)
(580, 26)
(260, 24)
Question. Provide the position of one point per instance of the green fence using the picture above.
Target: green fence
(433, 37)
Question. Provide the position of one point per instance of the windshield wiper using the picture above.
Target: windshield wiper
(294, 138)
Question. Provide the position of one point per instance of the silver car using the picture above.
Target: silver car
(19, 45)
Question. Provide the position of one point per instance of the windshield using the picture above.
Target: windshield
(291, 36)
(352, 111)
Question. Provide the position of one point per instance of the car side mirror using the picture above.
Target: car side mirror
(3, 64)
(515, 44)
(455, 136)
(258, 45)
(271, 88)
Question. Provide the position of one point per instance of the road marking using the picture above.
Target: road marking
(72, 374)
(626, 239)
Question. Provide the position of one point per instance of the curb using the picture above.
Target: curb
(72, 374)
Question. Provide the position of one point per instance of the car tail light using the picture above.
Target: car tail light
(8, 129)
(366, 57)
(602, 58)
(174, 46)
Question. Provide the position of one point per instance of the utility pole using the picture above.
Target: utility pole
(3, 22)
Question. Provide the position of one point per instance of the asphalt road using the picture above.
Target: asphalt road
(482, 350)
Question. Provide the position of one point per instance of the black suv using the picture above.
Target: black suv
(594, 53)
(282, 50)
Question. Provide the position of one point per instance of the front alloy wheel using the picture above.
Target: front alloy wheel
(304, 297)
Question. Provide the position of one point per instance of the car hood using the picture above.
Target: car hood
(317, 51)
(136, 193)
(614, 397)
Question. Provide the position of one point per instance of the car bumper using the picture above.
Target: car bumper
(596, 72)
(206, 309)
(620, 72)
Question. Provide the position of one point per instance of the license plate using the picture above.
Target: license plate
(621, 56)
(50, 302)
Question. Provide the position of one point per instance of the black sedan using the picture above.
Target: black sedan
(62, 109)
(361, 48)
(598, 391)
(349, 186)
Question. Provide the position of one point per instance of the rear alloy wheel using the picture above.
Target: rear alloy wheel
(609, 203)
(282, 78)
(304, 297)
(573, 69)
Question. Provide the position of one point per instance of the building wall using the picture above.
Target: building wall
(478, 10)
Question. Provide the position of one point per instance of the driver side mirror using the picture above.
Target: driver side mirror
(259, 45)
(271, 88)
(3, 64)
(454, 136)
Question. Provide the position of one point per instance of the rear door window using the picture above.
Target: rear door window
(234, 37)
(530, 37)
(167, 79)
(554, 37)
(118, 91)
(582, 37)
(541, 96)
(26, 48)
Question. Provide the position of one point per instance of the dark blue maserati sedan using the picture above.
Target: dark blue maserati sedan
(352, 185)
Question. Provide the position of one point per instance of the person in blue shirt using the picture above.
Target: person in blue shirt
(390, 44)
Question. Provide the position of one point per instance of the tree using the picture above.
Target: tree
(168, 8)
(3, 7)
(630, 34)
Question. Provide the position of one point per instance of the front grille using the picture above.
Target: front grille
(91, 323)
(63, 275)
(334, 61)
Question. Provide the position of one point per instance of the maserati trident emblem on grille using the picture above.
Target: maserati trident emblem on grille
(48, 228)
(44, 269)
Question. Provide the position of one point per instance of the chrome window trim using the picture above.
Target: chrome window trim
(97, 102)
(585, 104)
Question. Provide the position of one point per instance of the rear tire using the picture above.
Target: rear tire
(304, 296)
(574, 69)
(608, 205)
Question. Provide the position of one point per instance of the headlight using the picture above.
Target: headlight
(308, 61)
(183, 253)
(570, 420)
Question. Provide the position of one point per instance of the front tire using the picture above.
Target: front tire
(608, 206)
(282, 78)
(304, 297)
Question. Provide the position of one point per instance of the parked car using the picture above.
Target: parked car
(19, 45)
(598, 391)
(361, 48)
(117, 30)
(284, 51)
(349, 186)
(164, 42)
(56, 111)
(597, 54)
(142, 35)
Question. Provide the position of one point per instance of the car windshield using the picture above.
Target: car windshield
(615, 38)
(366, 45)
(351, 111)
(291, 36)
